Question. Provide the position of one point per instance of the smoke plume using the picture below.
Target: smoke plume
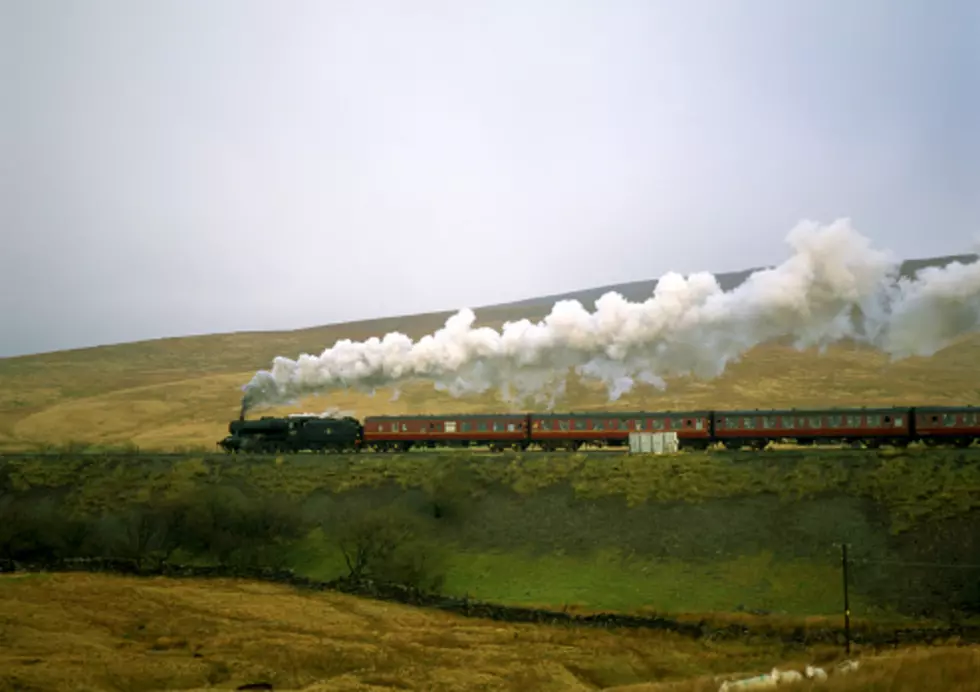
(834, 286)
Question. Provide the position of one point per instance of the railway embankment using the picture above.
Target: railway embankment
(693, 532)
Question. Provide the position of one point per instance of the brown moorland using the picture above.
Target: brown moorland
(57, 633)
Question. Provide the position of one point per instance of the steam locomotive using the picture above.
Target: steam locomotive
(957, 426)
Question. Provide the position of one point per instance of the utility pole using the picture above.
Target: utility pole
(847, 606)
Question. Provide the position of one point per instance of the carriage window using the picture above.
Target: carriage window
(638, 425)
(731, 422)
(563, 425)
(769, 422)
(579, 424)
(511, 427)
(854, 421)
(836, 421)
(482, 426)
(498, 426)
(748, 423)
(874, 421)
(597, 425)
(970, 418)
(816, 422)
(658, 423)
(788, 422)
(404, 427)
(624, 424)
(949, 419)
(676, 423)
(464, 427)
(898, 421)
(698, 423)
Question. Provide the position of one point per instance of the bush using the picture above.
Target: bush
(230, 528)
(389, 546)
(36, 531)
(144, 533)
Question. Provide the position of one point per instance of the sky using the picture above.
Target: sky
(175, 167)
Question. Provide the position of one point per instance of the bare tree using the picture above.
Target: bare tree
(389, 546)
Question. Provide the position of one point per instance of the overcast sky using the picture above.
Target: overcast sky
(173, 167)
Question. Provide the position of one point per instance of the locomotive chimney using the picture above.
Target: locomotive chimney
(241, 416)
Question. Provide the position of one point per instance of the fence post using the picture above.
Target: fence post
(847, 606)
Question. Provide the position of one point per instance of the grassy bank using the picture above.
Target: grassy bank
(692, 532)
(914, 484)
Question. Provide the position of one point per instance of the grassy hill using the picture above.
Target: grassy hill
(180, 392)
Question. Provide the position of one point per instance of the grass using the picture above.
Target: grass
(612, 580)
(57, 634)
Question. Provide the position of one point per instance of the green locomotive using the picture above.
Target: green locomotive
(294, 433)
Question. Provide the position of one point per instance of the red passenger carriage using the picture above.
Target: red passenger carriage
(497, 431)
(956, 425)
(757, 428)
(612, 428)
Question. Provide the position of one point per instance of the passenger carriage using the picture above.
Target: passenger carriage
(572, 430)
(956, 425)
(496, 431)
(871, 426)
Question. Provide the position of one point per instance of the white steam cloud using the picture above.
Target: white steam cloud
(834, 286)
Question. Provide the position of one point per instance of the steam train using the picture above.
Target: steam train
(957, 426)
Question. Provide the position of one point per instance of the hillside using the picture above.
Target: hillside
(177, 392)
(182, 634)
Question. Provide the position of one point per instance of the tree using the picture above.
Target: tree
(389, 546)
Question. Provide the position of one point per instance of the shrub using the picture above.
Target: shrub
(389, 546)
